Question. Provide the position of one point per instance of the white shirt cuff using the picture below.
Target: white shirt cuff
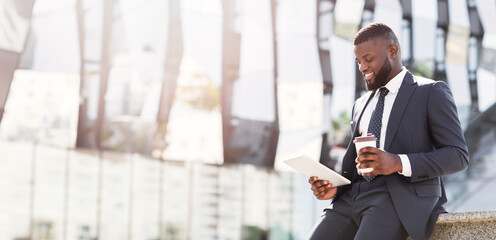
(407, 168)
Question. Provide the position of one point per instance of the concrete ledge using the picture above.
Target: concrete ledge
(466, 217)
(469, 225)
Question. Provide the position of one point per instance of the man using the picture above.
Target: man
(419, 140)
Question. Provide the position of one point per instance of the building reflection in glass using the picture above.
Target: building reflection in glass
(194, 129)
(51, 190)
(348, 15)
(456, 57)
(486, 73)
(424, 32)
(300, 85)
(469, 190)
(390, 13)
(143, 198)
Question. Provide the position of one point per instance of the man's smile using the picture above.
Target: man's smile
(368, 76)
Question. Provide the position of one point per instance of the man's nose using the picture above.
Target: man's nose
(362, 67)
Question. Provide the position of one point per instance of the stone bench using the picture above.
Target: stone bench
(469, 225)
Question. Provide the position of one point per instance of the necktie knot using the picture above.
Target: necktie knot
(383, 92)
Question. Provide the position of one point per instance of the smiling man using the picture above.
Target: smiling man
(419, 139)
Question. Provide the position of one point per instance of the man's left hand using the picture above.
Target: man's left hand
(382, 162)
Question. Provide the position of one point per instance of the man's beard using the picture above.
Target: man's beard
(380, 77)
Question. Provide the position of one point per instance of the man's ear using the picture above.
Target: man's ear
(393, 51)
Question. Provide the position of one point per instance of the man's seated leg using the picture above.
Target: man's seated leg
(380, 220)
(334, 224)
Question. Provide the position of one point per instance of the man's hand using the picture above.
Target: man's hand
(382, 162)
(322, 189)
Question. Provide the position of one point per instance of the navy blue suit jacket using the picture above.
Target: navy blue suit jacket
(424, 125)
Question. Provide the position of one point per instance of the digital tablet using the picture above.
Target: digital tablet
(310, 167)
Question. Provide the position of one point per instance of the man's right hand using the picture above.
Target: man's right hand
(322, 189)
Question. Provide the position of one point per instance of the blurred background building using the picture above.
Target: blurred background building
(153, 119)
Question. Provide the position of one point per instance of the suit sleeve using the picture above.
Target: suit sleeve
(451, 153)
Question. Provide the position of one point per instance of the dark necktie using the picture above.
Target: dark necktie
(376, 121)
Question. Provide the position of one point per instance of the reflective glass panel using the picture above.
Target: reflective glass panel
(116, 198)
(456, 57)
(348, 15)
(231, 181)
(83, 194)
(177, 210)
(299, 86)
(194, 130)
(14, 24)
(145, 198)
(49, 193)
(16, 194)
(256, 65)
(486, 73)
(43, 107)
(424, 35)
(390, 13)
(53, 41)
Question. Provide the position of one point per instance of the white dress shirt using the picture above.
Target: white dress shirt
(393, 86)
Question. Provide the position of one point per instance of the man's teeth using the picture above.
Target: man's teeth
(368, 76)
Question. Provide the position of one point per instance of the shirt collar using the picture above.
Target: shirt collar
(394, 84)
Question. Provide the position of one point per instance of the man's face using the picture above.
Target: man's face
(373, 61)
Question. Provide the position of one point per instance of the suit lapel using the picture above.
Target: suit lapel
(407, 88)
(348, 169)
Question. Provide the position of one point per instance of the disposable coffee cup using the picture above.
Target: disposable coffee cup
(361, 142)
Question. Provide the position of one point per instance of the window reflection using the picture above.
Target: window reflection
(194, 129)
(424, 36)
(42, 107)
(348, 17)
(299, 89)
(390, 13)
(486, 73)
(440, 49)
(83, 193)
(60, 43)
(176, 208)
(343, 95)
(116, 195)
(48, 207)
(325, 23)
(406, 44)
(456, 45)
(257, 116)
(14, 24)
(456, 57)
(17, 192)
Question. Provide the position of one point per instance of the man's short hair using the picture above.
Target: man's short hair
(375, 30)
